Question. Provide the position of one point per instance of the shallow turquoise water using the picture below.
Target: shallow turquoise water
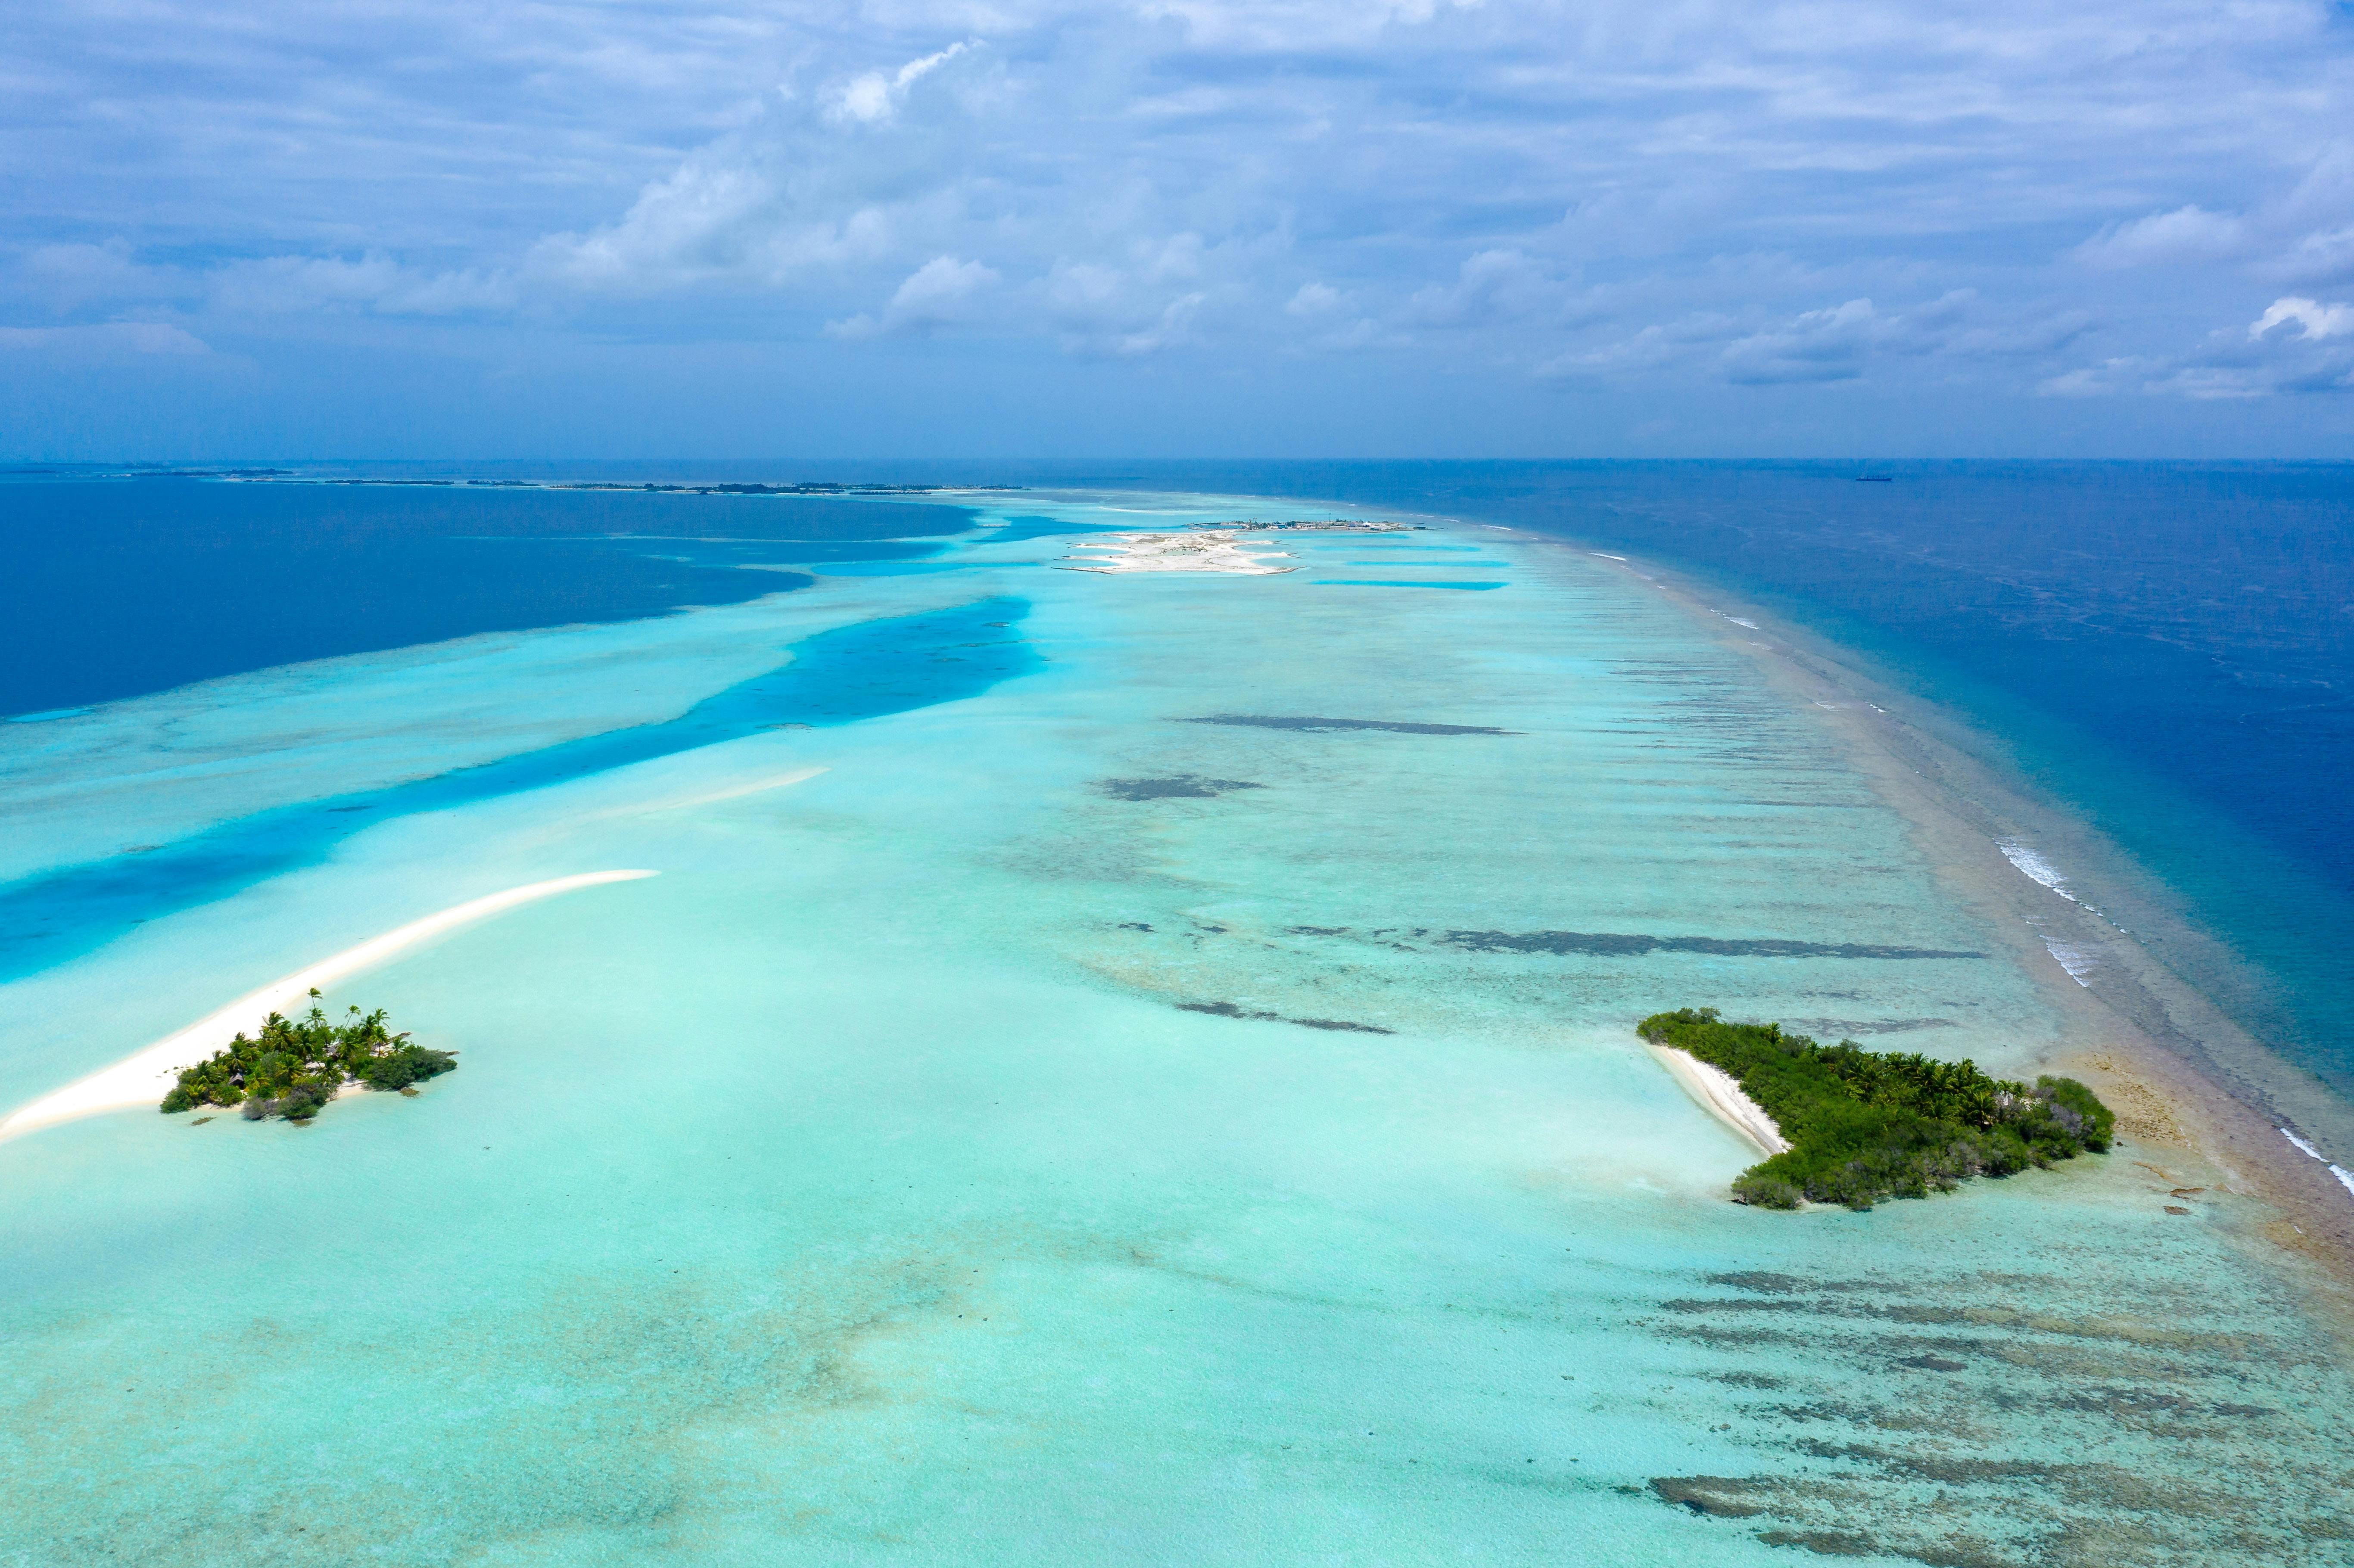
(869, 1187)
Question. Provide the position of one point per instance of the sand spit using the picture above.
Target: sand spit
(1720, 1094)
(1317, 525)
(1206, 550)
(143, 1078)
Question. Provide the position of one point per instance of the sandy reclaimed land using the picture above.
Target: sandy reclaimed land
(143, 1078)
(1196, 550)
(1720, 1094)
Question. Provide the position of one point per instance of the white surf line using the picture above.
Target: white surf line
(144, 1077)
(2035, 868)
(2345, 1177)
(2074, 959)
(1720, 1094)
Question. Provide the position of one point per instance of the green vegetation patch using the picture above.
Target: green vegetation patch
(1867, 1125)
(296, 1066)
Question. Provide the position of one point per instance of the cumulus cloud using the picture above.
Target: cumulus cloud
(1122, 311)
(872, 96)
(1494, 288)
(2187, 234)
(2303, 234)
(2312, 319)
(805, 188)
(2297, 345)
(942, 292)
(1780, 195)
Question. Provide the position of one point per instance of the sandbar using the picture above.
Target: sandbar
(143, 1078)
(1198, 550)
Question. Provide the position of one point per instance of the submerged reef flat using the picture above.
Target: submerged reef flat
(996, 1136)
(1859, 1126)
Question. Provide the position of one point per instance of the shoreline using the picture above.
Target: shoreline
(1195, 550)
(2136, 1032)
(1720, 1094)
(144, 1077)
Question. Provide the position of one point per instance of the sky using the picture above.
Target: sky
(1358, 228)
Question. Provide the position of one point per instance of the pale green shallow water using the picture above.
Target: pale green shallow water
(856, 1191)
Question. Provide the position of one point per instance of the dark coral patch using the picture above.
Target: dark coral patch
(1228, 1010)
(1181, 787)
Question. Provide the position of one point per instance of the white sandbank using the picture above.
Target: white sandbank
(144, 1077)
(1719, 1093)
(733, 792)
(1195, 550)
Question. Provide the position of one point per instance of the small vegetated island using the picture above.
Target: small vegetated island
(1868, 1125)
(296, 1066)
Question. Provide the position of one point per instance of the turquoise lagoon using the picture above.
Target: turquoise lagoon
(1078, 1126)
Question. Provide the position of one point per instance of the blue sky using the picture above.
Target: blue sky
(1379, 227)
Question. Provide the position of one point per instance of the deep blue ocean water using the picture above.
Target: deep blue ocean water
(120, 585)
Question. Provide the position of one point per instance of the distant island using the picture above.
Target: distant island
(1318, 525)
(258, 475)
(296, 1066)
(1867, 1125)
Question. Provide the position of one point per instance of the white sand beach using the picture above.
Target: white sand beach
(1197, 550)
(143, 1078)
(1720, 1094)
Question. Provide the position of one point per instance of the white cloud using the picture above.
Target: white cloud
(2106, 379)
(1491, 287)
(1172, 326)
(872, 96)
(2315, 321)
(1817, 346)
(940, 293)
(1779, 194)
(1313, 301)
(1102, 310)
(2185, 234)
(2295, 345)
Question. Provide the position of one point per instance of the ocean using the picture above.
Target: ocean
(1136, 1068)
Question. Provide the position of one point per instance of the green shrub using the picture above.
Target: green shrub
(1764, 1191)
(293, 1067)
(1866, 1125)
(406, 1064)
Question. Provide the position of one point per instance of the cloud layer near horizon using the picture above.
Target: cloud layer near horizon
(1659, 209)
